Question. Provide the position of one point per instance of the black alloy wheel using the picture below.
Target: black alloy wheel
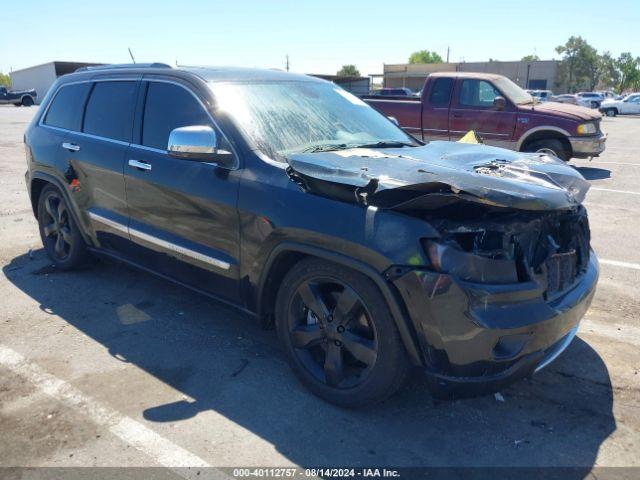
(332, 332)
(60, 236)
(339, 335)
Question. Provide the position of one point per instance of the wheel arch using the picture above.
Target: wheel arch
(286, 254)
(39, 181)
(544, 133)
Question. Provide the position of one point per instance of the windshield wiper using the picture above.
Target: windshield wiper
(325, 148)
(386, 144)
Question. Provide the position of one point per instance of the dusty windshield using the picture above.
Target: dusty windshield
(292, 117)
(513, 92)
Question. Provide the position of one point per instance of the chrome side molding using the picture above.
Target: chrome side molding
(134, 234)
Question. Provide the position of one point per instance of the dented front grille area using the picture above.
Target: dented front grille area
(550, 248)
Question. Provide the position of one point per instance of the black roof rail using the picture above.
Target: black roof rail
(123, 65)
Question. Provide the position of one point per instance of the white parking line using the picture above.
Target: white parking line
(614, 191)
(160, 449)
(617, 263)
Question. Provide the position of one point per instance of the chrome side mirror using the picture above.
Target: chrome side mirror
(394, 120)
(198, 142)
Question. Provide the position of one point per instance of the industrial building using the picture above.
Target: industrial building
(41, 77)
(538, 75)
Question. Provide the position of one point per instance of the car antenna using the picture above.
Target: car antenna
(134, 60)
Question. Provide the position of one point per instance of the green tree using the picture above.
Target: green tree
(348, 71)
(609, 76)
(579, 66)
(5, 80)
(425, 56)
(530, 58)
(628, 66)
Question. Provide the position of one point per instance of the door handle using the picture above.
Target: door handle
(139, 165)
(457, 115)
(72, 147)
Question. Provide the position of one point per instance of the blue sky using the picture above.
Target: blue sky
(319, 36)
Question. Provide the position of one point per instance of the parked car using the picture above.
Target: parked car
(589, 99)
(629, 105)
(541, 95)
(290, 198)
(500, 112)
(393, 92)
(24, 98)
(565, 98)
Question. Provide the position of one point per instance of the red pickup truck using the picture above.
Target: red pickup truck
(503, 114)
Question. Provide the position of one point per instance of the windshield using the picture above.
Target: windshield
(292, 117)
(512, 91)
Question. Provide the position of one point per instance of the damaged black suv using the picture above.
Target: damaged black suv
(291, 199)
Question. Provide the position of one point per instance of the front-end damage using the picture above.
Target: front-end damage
(511, 272)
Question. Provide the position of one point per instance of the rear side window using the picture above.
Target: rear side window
(441, 92)
(167, 107)
(110, 110)
(67, 106)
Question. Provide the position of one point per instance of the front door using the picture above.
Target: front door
(472, 109)
(183, 213)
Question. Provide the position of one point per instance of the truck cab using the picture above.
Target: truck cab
(500, 112)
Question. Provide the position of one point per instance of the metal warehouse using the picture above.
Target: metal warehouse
(41, 77)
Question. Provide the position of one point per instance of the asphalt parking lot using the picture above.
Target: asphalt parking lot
(109, 366)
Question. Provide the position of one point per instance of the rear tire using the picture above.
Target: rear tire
(339, 335)
(60, 235)
(549, 146)
(27, 101)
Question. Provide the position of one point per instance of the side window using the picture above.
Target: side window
(477, 93)
(441, 92)
(167, 107)
(67, 106)
(110, 110)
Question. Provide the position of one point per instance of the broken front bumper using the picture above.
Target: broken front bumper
(476, 338)
(584, 147)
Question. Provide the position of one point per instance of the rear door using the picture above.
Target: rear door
(472, 109)
(99, 118)
(99, 158)
(436, 101)
(183, 213)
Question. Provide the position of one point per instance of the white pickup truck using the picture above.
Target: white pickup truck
(629, 105)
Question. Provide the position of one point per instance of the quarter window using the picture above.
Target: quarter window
(167, 107)
(441, 92)
(67, 106)
(110, 110)
(477, 93)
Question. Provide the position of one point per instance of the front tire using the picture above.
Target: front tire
(549, 146)
(611, 112)
(339, 335)
(60, 235)
(27, 101)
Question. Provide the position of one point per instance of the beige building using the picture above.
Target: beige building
(538, 75)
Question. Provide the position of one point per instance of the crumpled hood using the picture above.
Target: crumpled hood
(566, 110)
(438, 174)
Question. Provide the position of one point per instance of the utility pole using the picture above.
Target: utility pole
(287, 64)
(447, 54)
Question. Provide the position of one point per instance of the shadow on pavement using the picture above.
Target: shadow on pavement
(223, 361)
(593, 173)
